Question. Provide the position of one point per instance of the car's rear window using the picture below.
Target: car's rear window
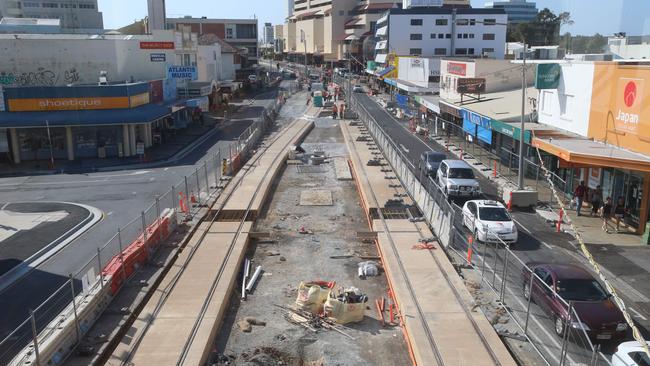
(580, 290)
(461, 173)
(493, 214)
(435, 158)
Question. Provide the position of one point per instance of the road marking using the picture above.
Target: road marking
(5, 205)
(166, 169)
(70, 182)
(109, 213)
(637, 314)
(404, 148)
(547, 245)
(522, 226)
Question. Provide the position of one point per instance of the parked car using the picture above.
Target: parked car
(456, 178)
(489, 221)
(630, 354)
(357, 89)
(430, 161)
(556, 285)
(252, 78)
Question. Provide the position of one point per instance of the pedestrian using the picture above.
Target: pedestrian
(619, 212)
(335, 111)
(606, 213)
(579, 196)
(308, 100)
(596, 200)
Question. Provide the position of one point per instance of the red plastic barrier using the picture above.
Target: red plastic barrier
(136, 254)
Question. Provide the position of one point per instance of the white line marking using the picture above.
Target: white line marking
(547, 245)
(404, 148)
(522, 226)
(109, 213)
(637, 314)
(5, 205)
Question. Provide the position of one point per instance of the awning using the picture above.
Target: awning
(390, 82)
(142, 114)
(352, 37)
(381, 58)
(382, 31)
(381, 45)
(385, 71)
(429, 101)
(383, 19)
(407, 86)
(592, 153)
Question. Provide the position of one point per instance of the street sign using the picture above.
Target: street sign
(158, 57)
(139, 148)
(182, 72)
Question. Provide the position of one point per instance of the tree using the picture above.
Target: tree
(543, 31)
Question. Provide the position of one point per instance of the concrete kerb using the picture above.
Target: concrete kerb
(94, 216)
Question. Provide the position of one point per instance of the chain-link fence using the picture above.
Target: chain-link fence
(547, 321)
(183, 199)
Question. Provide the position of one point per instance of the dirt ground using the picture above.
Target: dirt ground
(289, 257)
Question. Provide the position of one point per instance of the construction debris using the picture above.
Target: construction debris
(348, 306)
(368, 268)
(313, 322)
(246, 325)
(313, 295)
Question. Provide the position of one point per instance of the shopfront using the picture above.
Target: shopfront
(478, 128)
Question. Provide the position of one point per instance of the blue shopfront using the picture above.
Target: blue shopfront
(477, 127)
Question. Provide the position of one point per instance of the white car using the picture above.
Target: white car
(252, 78)
(630, 354)
(357, 89)
(456, 178)
(489, 221)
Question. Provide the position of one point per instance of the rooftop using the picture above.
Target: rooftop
(498, 105)
(30, 21)
(436, 10)
(189, 19)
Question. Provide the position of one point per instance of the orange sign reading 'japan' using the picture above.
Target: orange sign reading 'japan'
(620, 106)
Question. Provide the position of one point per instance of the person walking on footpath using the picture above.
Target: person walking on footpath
(335, 111)
(606, 213)
(619, 212)
(596, 200)
(579, 196)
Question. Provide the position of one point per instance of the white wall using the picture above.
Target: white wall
(568, 107)
(400, 30)
(209, 62)
(44, 60)
(228, 66)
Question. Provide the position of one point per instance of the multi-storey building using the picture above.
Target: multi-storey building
(519, 11)
(407, 4)
(240, 33)
(440, 32)
(327, 30)
(75, 15)
(268, 34)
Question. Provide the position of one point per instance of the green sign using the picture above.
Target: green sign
(372, 65)
(547, 76)
(510, 130)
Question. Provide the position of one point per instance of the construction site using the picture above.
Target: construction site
(306, 251)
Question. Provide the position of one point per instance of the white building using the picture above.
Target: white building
(407, 4)
(519, 11)
(628, 48)
(268, 34)
(75, 16)
(441, 32)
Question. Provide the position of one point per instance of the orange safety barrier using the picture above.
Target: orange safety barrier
(470, 241)
(123, 265)
(510, 203)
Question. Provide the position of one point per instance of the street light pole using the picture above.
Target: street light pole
(520, 177)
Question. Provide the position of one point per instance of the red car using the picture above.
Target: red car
(597, 314)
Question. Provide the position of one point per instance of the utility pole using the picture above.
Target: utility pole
(523, 110)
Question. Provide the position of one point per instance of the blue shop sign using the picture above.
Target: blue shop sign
(182, 72)
(483, 125)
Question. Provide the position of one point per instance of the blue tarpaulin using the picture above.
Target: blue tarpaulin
(402, 100)
(469, 127)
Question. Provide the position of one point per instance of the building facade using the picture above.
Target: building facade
(442, 32)
(75, 15)
(268, 34)
(604, 109)
(628, 47)
(519, 11)
(240, 33)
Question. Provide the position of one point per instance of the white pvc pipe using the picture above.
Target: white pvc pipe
(253, 279)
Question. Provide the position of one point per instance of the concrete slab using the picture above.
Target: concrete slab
(342, 169)
(316, 197)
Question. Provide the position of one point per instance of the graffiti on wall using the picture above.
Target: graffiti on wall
(40, 77)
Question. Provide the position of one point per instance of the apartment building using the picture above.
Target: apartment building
(75, 15)
(240, 33)
(328, 30)
(441, 32)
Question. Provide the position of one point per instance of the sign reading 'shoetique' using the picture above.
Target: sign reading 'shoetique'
(76, 104)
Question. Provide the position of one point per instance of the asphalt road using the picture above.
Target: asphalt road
(538, 242)
(121, 194)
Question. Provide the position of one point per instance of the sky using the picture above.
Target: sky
(590, 16)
